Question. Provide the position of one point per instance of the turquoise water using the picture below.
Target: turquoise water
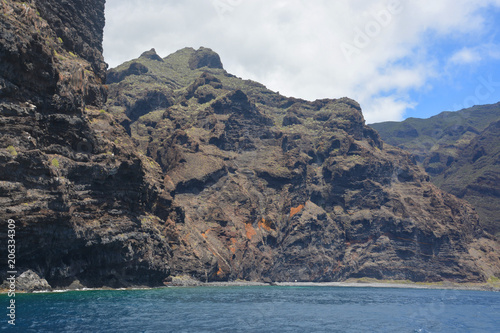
(258, 309)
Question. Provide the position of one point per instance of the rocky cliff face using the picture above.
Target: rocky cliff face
(79, 192)
(475, 176)
(278, 188)
(189, 170)
(460, 150)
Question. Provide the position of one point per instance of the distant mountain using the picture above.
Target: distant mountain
(460, 150)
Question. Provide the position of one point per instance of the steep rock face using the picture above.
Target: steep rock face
(276, 188)
(204, 57)
(189, 170)
(460, 151)
(475, 176)
(80, 194)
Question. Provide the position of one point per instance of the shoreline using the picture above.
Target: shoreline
(354, 283)
(361, 283)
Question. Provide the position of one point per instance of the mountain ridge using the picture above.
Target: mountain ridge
(460, 151)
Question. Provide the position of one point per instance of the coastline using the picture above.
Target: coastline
(367, 283)
(351, 283)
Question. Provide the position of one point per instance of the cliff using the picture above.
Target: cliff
(80, 201)
(278, 188)
(475, 176)
(460, 150)
(177, 167)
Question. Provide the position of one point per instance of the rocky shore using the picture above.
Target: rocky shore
(352, 283)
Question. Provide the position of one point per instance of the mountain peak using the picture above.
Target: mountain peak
(205, 57)
(151, 54)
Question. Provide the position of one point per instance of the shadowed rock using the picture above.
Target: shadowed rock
(152, 55)
(205, 57)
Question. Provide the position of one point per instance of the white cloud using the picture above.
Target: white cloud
(387, 108)
(476, 54)
(465, 56)
(298, 47)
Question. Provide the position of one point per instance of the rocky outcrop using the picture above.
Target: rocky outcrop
(134, 69)
(204, 57)
(29, 281)
(189, 173)
(152, 55)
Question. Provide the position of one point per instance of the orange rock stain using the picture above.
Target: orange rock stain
(250, 230)
(232, 247)
(263, 224)
(295, 210)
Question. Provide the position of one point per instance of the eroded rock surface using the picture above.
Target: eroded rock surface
(281, 189)
(460, 150)
(188, 172)
(81, 195)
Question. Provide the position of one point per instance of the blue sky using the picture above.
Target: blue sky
(398, 58)
(469, 69)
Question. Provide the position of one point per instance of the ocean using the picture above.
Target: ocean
(257, 309)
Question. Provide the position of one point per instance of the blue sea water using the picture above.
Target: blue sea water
(258, 309)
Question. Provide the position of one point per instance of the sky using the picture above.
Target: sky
(397, 58)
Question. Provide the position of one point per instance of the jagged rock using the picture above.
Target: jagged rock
(151, 54)
(448, 146)
(152, 100)
(318, 200)
(30, 281)
(204, 57)
(70, 175)
(474, 176)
